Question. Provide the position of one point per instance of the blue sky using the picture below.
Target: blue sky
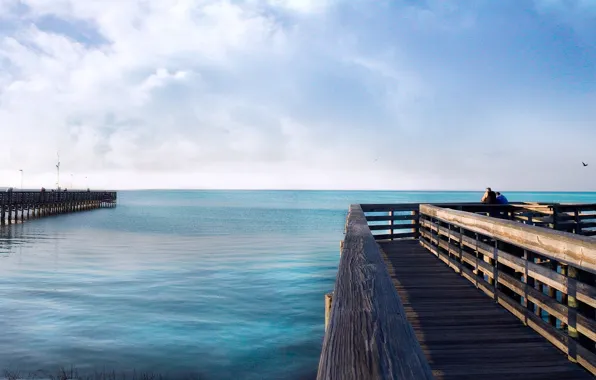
(332, 94)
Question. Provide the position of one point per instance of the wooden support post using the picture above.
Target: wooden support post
(461, 246)
(475, 271)
(490, 261)
(416, 221)
(391, 223)
(552, 293)
(563, 295)
(328, 303)
(587, 310)
(572, 304)
(538, 286)
(529, 257)
(9, 221)
(578, 226)
(495, 264)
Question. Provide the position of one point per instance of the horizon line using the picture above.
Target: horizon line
(352, 190)
(314, 189)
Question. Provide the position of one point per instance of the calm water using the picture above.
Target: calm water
(224, 284)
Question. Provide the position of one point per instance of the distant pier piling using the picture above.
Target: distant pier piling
(18, 206)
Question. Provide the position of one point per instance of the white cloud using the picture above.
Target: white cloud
(222, 93)
(165, 86)
(303, 6)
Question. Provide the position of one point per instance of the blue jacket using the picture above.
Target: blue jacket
(501, 199)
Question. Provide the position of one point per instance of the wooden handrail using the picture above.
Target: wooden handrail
(571, 249)
(577, 218)
(515, 264)
(368, 335)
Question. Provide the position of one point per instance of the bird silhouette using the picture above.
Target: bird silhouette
(584, 163)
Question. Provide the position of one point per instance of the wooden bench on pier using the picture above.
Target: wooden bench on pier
(16, 206)
(444, 291)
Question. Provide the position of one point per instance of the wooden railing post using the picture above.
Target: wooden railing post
(391, 221)
(416, 221)
(328, 301)
(528, 257)
(572, 303)
(578, 226)
(552, 293)
(495, 264)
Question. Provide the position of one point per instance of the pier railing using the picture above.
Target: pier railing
(543, 276)
(367, 333)
(17, 206)
(399, 221)
(17, 197)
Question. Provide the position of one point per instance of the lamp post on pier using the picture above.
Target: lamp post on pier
(58, 172)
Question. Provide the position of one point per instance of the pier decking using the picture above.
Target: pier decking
(17, 206)
(462, 291)
(463, 333)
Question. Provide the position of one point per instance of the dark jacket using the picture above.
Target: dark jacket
(492, 198)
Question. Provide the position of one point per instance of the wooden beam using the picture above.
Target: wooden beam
(368, 335)
(399, 226)
(584, 292)
(384, 218)
(576, 250)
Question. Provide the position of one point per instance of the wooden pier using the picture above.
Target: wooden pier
(18, 206)
(464, 291)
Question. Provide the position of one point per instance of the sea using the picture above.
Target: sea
(206, 284)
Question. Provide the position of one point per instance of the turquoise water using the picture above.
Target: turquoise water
(223, 284)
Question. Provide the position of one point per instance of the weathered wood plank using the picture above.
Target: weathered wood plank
(389, 207)
(402, 235)
(564, 207)
(400, 226)
(463, 333)
(381, 218)
(368, 336)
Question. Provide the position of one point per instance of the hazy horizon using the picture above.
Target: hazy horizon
(284, 94)
(315, 189)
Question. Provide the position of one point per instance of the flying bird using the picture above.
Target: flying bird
(584, 163)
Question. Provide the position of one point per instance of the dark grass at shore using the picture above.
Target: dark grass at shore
(73, 373)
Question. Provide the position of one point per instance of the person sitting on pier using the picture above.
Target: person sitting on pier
(489, 197)
(501, 199)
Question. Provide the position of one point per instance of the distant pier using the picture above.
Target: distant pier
(17, 206)
(463, 291)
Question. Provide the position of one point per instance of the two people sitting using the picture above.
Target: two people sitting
(490, 197)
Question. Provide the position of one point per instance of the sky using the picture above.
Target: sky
(299, 94)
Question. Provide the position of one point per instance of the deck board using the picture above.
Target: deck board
(464, 333)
